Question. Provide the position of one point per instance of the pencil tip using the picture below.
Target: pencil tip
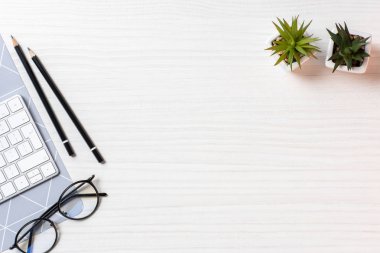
(12, 36)
(14, 41)
(31, 52)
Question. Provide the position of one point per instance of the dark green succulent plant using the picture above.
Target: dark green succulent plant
(349, 49)
(292, 44)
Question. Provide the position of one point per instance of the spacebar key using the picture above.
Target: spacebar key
(33, 160)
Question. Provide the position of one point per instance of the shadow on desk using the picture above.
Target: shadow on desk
(316, 67)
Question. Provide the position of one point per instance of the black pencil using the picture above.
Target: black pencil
(66, 106)
(43, 97)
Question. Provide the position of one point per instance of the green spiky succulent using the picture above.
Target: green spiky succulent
(292, 43)
(349, 49)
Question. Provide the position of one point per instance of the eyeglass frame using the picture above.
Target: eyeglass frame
(57, 208)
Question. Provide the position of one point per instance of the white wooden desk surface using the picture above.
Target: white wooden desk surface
(209, 147)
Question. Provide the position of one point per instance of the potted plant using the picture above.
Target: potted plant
(348, 51)
(292, 43)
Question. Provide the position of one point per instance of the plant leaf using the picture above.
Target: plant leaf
(335, 37)
(282, 33)
(315, 48)
(282, 57)
(298, 59)
(307, 40)
(305, 28)
(300, 33)
(290, 58)
(287, 26)
(346, 29)
(283, 25)
(348, 61)
(301, 50)
(357, 57)
(363, 54)
(334, 56)
(277, 47)
(294, 26)
(337, 64)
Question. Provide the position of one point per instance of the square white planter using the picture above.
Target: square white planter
(355, 70)
(283, 64)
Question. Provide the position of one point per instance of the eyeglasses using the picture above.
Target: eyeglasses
(78, 201)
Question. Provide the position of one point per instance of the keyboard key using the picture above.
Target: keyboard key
(24, 148)
(2, 177)
(21, 183)
(3, 127)
(47, 169)
(15, 137)
(3, 143)
(33, 173)
(36, 179)
(11, 155)
(11, 171)
(3, 111)
(8, 189)
(30, 133)
(15, 104)
(33, 160)
(2, 161)
(18, 119)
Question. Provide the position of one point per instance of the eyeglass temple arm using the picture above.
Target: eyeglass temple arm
(101, 194)
(48, 213)
(30, 241)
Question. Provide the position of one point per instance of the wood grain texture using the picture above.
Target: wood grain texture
(209, 147)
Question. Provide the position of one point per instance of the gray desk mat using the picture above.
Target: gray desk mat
(29, 205)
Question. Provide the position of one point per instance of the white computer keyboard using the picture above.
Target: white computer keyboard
(25, 160)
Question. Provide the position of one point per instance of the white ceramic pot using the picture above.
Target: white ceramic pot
(355, 70)
(283, 64)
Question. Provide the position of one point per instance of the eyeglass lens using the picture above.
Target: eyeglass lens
(79, 201)
(39, 244)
